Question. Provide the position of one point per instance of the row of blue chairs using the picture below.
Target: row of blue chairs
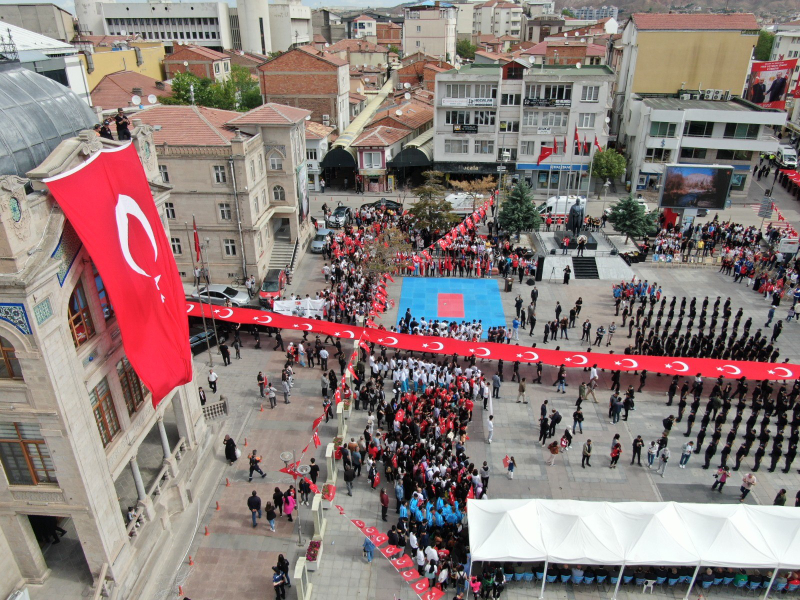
(662, 582)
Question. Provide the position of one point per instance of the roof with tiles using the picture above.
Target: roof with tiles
(317, 131)
(271, 114)
(414, 114)
(116, 89)
(189, 125)
(363, 18)
(185, 52)
(356, 46)
(381, 136)
(693, 22)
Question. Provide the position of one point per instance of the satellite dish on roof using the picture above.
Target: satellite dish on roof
(407, 96)
(136, 100)
(186, 63)
(327, 44)
(406, 85)
(399, 113)
(152, 99)
(578, 65)
(583, 40)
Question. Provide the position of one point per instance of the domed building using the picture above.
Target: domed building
(82, 449)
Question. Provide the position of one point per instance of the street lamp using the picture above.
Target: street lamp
(606, 185)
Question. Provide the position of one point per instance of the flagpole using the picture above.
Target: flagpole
(571, 159)
(199, 298)
(591, 164)
(208, 279)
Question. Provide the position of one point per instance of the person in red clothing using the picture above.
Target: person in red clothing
(384, 503)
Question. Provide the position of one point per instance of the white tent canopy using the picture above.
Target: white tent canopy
(634, 533)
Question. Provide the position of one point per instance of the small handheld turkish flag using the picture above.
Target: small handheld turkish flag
(506, 460)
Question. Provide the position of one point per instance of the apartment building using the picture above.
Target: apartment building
(498, 18)
(430, 27)
(203, 62)
(309, 79)
(487, 116)
(686, 128)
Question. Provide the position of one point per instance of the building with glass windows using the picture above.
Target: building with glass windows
(81, 445)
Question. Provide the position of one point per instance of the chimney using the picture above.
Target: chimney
(160, 85)
(137, 91)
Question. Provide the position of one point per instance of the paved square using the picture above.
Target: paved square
(466, 299)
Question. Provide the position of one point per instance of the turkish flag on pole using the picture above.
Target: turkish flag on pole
(578, 141)
(196, 240)
(107, 200)
(597, 144)
(545, 154)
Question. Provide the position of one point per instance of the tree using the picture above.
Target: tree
(518, 212)
(476, 188)
(608, 164)
(628, 217)
(395, 50)
(431, 210)
(239, 92)
(383, 251)
(764, 45)
(567, 13)
(248, 92)
(466, 49)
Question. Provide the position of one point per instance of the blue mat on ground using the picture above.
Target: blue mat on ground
(442, 298)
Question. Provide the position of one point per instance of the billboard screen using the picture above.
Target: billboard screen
(696, 186)
(769, 83)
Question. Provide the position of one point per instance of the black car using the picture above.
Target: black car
(384, 203)
(200, 339)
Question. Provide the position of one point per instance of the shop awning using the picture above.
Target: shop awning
(339, 158)
(793, 175)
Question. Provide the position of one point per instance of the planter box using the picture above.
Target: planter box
(312, 565)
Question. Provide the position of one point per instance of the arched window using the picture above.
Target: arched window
(9, 364)
(80, 319)
(278, 194)
(132, 389)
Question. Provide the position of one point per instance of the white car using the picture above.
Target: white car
(463, 203)
(641, 203)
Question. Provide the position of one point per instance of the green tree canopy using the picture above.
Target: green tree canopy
(466, 49)
(518, 212)
(628, 217)
(608, 164)
(764, 45)
(431, 210)
(239, 92)
(395, 49)
(567, 13)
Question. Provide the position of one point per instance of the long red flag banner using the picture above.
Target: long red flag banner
(107, 200)
(672, 365)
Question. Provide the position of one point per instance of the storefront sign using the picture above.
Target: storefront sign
(468, 101)
(465, 129)
(546, 102)
(372, 172)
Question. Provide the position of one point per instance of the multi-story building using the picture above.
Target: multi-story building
(199, 23)
(241, 176)
(786, 46)
(360, 52)
(50, 57)
(203, 62)
(81, 443)
(497, 18)
(329, 25)
(682, 128)
(537, 8)
(364, 26)
(593, 13)
(430, 27)
(317, 144)
(706, 51)
(487, 116)
(390, 34)
(557, 51)
(46, 19)
(307, 78)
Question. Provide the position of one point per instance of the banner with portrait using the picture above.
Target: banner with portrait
(769, 83)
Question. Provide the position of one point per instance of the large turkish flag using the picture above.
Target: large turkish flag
(107, 200)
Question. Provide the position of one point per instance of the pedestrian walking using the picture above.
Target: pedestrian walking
(254, 460)
(490, 428)
(720, 478)
(254, 504)
(512, 464)
(226, 353)
(553, 448)
(616, 452)
(278, 583)
(748, 482)
(686, 454)
(521, 397)
(232, 453)
(384, 499)
(212, 380)
(663, 459)
(586, 454)
(369, 549)
(261, 381)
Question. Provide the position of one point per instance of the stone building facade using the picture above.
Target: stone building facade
(73, 413)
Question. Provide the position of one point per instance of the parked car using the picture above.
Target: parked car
(340, 217)
(559, 206)
(318, 243)
(464, 203)
(200, 339)
(218, 294)
(384, 203)
(641, 203)
(272, 286)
